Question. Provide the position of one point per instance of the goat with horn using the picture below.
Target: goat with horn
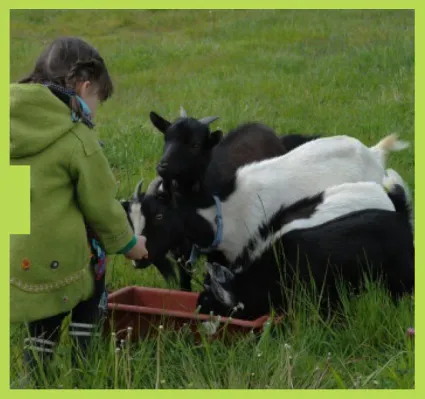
(188, 143)
(179, 253)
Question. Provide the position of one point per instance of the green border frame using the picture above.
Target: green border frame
(15, 188)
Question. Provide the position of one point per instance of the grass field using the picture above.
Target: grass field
(331, 72)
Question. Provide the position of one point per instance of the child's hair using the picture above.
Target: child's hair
(68, 60)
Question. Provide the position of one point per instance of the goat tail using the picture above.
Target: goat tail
(399, 194)
(391, 143)
(388, 144)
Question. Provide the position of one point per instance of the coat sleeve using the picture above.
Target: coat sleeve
(96, 189)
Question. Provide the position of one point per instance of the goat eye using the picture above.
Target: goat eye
(159, 216)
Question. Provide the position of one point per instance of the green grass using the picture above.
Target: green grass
(332, 72)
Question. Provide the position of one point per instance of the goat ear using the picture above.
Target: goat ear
(214, 138)
(138, 191)
(219, 273)
(222, 295)
(159, 122)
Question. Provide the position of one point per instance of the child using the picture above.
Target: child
(75, 218)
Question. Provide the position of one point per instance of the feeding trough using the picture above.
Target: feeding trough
(145, 309)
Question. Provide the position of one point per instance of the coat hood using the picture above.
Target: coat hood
(37, 119)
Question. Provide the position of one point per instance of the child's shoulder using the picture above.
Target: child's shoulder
(87, 138)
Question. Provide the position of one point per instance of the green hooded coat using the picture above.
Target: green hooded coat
(71, 182)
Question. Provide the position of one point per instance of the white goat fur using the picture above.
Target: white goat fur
(392, 178)
(263, 187)
(338, 201)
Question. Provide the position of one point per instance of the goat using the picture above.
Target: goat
(245, 144)
(326, 240)
(257, 192)
(180, 252)
(188, 143)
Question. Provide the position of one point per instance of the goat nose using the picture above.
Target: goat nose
(163, 164)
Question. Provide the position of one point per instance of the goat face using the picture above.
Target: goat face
(163, 225)
(188, 143)
(218, 295)
(144, 213)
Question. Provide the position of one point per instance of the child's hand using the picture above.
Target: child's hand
(139, 251)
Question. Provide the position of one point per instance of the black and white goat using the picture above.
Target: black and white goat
(249, 142)
(180, 252)
(256, 193)
(335, 236)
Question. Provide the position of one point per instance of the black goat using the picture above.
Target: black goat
(188, 143)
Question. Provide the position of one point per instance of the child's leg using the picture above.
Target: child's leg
(41, 342)
(86, 321)
(87, 314)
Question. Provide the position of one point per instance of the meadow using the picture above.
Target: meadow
(308, 71)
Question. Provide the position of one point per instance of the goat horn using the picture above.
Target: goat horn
(138, 190)
(183, 112)
(154, 186)
(208, 120)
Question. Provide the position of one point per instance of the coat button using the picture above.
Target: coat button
(25, 264)
(54, 264)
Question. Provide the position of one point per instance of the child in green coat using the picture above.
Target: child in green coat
(75, 218)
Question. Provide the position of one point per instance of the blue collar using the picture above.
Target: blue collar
(219, 223)
(196, 250)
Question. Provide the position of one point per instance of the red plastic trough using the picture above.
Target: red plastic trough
(145, 309)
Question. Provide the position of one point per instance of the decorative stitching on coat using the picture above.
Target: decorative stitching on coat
(50, 286)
